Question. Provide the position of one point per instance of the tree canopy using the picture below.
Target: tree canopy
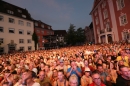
(75, 36)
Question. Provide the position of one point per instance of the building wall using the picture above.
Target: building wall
(118, 13)
(16, 36)
(42, 30)
(113, 18)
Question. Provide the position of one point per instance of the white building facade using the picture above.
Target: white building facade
(15, 32)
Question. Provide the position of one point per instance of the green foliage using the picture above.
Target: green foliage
(75, 36)
(35, 39)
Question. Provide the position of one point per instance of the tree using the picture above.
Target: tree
(75, 36)
(70, 38)
(35, 39)
(80, 36)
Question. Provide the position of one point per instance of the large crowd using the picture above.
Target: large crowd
(87, 65)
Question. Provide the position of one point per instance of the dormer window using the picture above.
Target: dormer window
(48, 27)
(36, 24)
(24, 16)
(20, 11)
(10, 12)
(42, 25)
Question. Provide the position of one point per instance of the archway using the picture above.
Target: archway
(110, 39)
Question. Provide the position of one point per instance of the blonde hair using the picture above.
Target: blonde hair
(73, 77)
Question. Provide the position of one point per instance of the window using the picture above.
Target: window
(97, 21)
(1, 40)
(43, 32)
(28, 24)
(120, 4)
(21, 22)
(105, 14)
(21, 40)
(11, 30)
(28, 32)
(1, 29)
(11, 20)
(1, 49)
(39, 44)
(42, 25)
(38, 37)
(21, 48)
(20, 11)
(38, 31)
(103, 4)
(1, 18)
(10, 12)
(24, 16)
(123, 19)
(29, 40)
(20, 31)
(48, 27)
(108, 25)
(36, 24)
(29, 48)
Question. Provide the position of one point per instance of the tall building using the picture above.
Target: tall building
(111, 20)
(42, 30)
(16, 28)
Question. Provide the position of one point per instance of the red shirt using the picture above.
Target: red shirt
(94, 84)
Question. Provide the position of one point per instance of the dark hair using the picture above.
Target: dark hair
(33, 74)
(122, 66)
(99, 65)
(95, 72)
(54, 69)
(7, 71)
(5, 83)
(62, 71)
(47, 84)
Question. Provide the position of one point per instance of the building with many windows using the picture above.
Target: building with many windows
(42, 30)
(16, 28)
(111, 20)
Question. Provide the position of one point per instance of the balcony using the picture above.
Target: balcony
(105, 30)
(108, 30)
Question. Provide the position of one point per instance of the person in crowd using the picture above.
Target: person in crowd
(61, 65)
(54, 65)
(124, 58)
(96, 79)
(86, 78)
(54, 76)
(73, 80)
(123, 79)
(42, 79)
(48, 72)
(61, 81)
(79, 62)
(85, 66)
(32, 67)
(102, 73)
(74, 69)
